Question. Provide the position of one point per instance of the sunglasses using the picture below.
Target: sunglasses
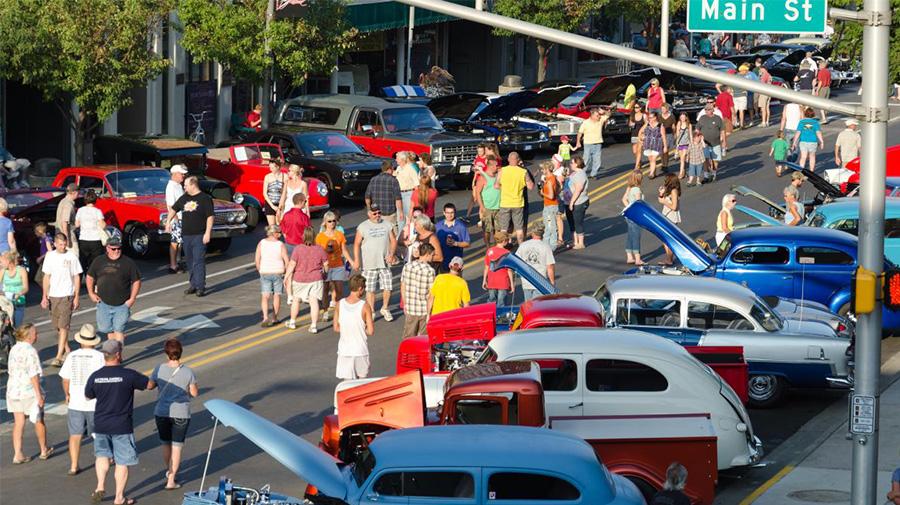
(114, 248)
(331, 221)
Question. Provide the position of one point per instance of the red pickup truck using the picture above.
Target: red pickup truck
(133, 199)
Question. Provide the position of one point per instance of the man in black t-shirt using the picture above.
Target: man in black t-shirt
(805, 78)
(197, 215)
(113, 283)
(113, 387)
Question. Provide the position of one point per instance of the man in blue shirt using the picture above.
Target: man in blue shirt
(452, 234)
(113, 386)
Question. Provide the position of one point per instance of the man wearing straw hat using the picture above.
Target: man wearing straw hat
(79, 365)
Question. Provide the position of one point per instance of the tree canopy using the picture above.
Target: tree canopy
(233, 33)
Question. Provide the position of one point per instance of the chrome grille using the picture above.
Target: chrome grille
(562, 128)
(221, 218)
(524, 137)
(463, 153)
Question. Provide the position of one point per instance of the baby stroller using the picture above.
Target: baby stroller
(7, 330)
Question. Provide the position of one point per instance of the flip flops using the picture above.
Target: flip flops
(22, 461)
(46, 455)
(128, 501)
(97, 496)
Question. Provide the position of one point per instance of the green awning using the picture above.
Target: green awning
(387, 15)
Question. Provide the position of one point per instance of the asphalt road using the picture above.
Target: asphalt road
(288, 375)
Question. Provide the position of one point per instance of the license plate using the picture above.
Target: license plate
(527, 147)
(464, 169)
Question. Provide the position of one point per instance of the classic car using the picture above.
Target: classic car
(383, 128)
(550, 93)
(490, 116)
(510, 393)
(163, 152)
(133, 200)
(244, 166)
(702, 311)
(843, 215)
(329, 156)
(27, 207)
(690, 102)
(468, 463)
(891, 170)
(602, 92)
(589, 372)
(793, 262)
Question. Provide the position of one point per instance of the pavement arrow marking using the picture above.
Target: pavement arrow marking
(151, 316)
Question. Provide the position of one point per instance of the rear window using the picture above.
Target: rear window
(648, 312)
(308, 114)
(761, 255)
(822, 256)
(558, 374)
(530, 486)
(615, 375)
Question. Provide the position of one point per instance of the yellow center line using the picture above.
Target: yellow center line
(752, 497)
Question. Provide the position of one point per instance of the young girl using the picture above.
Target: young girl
(633, 239)
(293, 185)
(779, 152)
(669, 194)
(561, 173)
(696, 158)
(550, 194)
(683, 133)
(14, 279)
(354, 322)
(273, 186)
(425, 196)
(46, 244)
(636, 122)
(478, 166)
(654, 143)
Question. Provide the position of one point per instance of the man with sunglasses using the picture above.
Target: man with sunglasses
(374, 250)
(113, 283)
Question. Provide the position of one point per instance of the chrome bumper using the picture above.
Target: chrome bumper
(840, 382)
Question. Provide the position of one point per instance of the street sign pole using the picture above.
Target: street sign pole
(664, 30)
(266, 98)
(876, 33)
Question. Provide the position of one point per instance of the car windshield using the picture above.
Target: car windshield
(410, 119)
(765, 316)
(365, 463)
(129, 183)
(576, 97)
(817, 220)
(331, 143)
(723, 248)
(26, 200)
(602, 296)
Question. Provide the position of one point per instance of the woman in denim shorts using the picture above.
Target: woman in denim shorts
(271, 262)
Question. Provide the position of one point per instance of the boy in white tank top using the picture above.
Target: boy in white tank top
(354, 322)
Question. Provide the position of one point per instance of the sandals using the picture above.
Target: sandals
(72, 473)
(172, 488)
(98, 495)
(128, 501)
(56, 363)
(46, 455)
(22, 461)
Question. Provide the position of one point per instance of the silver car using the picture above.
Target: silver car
(699, 311)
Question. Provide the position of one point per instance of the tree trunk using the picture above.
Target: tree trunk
(543, 49)
(83, 124)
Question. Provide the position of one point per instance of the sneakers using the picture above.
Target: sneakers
(313, 329)
(291, 324)
(386, 314)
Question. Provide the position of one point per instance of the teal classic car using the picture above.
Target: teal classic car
(843, 214)
(466, 464)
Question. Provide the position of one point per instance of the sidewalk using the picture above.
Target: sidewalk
(823, 475)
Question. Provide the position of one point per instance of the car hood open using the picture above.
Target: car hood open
(397, 402)
(549, 97)
(526, 272)
(299, 456)
(817, 181)
(607, 90)
(762, 218)
(745, 191)
(686, 250)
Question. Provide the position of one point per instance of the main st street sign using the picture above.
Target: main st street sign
(757, 16)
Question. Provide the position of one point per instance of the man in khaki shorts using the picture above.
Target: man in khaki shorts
(61, 283)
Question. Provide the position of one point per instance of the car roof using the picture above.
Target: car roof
(776, 234)
(299, 130)
(489, 446)
(691, 286)
(844, 207)
(107, 169)
(351, 100)
(580, 340)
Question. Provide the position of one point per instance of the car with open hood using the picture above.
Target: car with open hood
(133, 200)
(549, 94)
(602, 92)
(492, 117)
(687, 101)
(472, 464)
(702, 311)
(383, 128)
(793, 262)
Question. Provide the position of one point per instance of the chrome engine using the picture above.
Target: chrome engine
(450, 356)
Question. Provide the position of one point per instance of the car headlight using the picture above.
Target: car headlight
(504, 138)
(611, 122)
(678, 102)
(349, 174)
(543, 135)
(238, 198)
(241, 216)
(437, 154)
(322, 189)
(230, 217)
(163, 217)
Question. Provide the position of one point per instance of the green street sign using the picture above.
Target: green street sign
(757, 16)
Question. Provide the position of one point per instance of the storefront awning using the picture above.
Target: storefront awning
(376, 15)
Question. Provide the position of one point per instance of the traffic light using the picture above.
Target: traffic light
(892, 289)
(864, 291)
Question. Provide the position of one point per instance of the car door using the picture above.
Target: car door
(518, 486)
(367, 130)
(765, 269)
(434, 486)
(288, 149)
(822, 271)
(625, 386)
(561, 378)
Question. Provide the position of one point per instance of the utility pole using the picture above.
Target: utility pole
(409, 44)
(664, 30)
(266, 98)
(876, 16)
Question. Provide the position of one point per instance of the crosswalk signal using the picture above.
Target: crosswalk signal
(864, 289)
(892, 289)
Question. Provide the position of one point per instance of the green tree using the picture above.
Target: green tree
(92, 52)
(233, 33)
(848, 38)
(565, 15)
(646, 12)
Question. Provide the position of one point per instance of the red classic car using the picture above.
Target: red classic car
(891, 170)
(133, 199)
(244, 166)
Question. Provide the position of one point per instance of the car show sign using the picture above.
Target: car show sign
(757, 16)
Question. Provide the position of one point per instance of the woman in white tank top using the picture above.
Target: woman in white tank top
(295, 184)
(271, 263)
(354, 323)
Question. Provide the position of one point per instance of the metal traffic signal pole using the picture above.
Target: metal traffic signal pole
(873, 113)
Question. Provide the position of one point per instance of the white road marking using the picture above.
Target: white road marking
(151, 317)
(160, 290)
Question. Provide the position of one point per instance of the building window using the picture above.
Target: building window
(199, 71)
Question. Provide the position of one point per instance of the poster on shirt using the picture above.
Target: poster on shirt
(199, 97)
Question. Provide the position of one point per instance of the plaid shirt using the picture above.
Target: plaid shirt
(417, 278)
(384, 191)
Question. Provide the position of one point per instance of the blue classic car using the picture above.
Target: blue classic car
(704, 311)
(492, 119)
(793, 262)
(468, 464)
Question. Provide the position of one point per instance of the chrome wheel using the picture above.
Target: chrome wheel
(138, 241)
(765, 390)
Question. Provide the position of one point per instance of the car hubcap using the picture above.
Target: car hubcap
(762, 387)
(140, 242)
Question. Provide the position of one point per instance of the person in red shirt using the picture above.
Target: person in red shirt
(294, 222)
(498, 284)
(823, 85)
(725, 104)
(254, 118)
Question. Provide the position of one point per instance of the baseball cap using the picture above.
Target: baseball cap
(798, 176)
(179, 169)
(374, 207)
(457, 262)
(114, 241)
(564, 138)
(851, 122)
(111, 347)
